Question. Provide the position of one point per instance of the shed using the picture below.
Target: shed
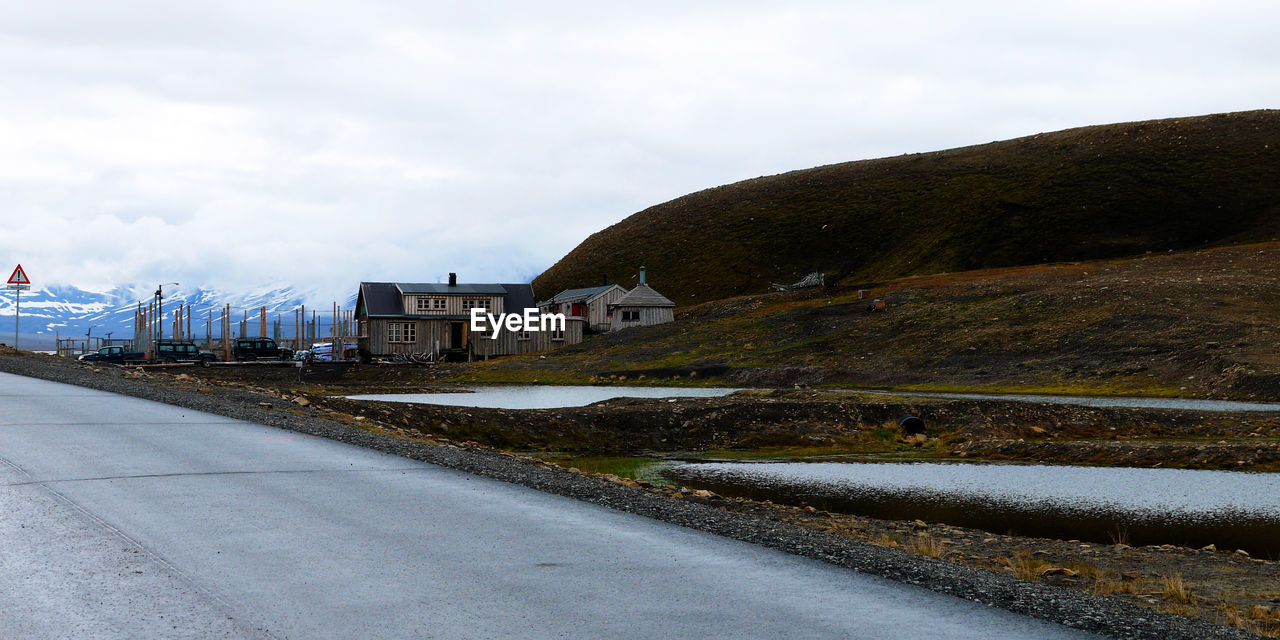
(641, 307)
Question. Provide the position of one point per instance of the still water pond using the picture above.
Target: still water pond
(1102, 401)
(1147, 506)
(544, 396)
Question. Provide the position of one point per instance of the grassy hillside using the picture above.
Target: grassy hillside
(1094, 192)
(1196, 323)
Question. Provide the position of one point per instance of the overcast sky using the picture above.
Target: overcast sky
(321, 143)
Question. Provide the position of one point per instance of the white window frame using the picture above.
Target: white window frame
(470, 303)
(557, 335)
(402, 332)
(431, 305)
(631, 316)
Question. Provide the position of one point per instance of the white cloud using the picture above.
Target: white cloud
(327, 142)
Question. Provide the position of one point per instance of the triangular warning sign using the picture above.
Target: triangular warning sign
(19, 276)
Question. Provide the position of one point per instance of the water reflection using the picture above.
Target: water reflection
(1148, 506)
(1100, 401)
(543, 396)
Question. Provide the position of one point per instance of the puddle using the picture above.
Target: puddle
(1147, 506)
(1100, 401)
(544, 396)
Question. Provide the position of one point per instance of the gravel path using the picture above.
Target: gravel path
(1078, 610)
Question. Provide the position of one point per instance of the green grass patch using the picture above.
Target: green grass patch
(636, 468)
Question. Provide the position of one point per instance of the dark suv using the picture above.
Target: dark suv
(182, 351)
(259, 349)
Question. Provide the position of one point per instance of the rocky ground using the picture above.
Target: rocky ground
(1147, 592)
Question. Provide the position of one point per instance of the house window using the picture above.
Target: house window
(523, 335)
(430, 304)
(631, 316)
(475, 303)
(557, 335)
(402, 332)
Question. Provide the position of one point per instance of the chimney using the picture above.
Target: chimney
(641, 275)
(453, 279)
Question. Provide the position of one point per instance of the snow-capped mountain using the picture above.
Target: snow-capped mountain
(68, 311)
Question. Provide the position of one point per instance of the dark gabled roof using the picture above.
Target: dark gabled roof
(417, 288)
(643, 296)
(518, 298)
(380, 299)
(578, 295)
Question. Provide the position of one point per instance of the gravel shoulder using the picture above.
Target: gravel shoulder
(1096, 614)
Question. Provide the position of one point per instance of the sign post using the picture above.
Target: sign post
(18, 282)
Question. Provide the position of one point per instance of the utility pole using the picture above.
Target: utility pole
(160, 309)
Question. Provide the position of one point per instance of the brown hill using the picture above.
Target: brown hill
(1087, 193)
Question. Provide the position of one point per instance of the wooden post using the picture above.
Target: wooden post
(262, 322)
(226, 332)
(151, 330)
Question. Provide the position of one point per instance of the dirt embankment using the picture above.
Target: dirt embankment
(977, 428)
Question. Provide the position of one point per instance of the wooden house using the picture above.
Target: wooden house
(401, 318)
(591, 304)
(641, 307)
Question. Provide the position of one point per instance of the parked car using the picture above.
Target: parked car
(114, 354)
(259, 349)
(324, 351)
(183, 351)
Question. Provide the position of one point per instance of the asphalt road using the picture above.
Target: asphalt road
(124, 518)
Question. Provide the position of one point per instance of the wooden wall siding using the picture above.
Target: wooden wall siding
(453, 304)
(597, 315)
(509, 342)
(598, 311)
(648, 316)
(429, 331)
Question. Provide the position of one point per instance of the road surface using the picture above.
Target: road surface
(124, 518)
